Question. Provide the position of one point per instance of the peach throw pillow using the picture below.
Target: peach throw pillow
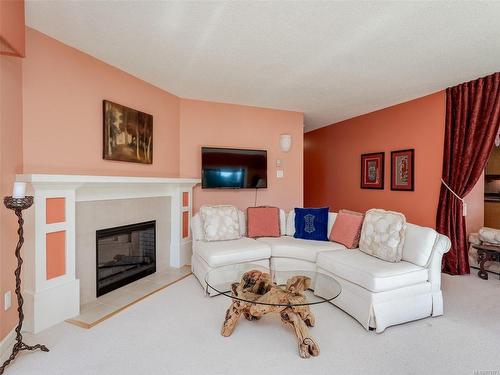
(263, 222)
(347, 228)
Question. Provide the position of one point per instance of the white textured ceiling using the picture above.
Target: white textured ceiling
(330, 60)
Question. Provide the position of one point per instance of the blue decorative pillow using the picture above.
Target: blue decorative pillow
(311, 223)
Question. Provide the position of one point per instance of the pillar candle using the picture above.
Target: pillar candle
(19, 190)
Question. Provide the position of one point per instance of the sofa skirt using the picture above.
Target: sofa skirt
(380, 310)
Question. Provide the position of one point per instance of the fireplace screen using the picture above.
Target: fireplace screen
(125, 254)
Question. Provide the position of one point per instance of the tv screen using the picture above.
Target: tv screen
(233, 168)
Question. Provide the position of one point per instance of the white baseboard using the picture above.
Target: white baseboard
(6, 346)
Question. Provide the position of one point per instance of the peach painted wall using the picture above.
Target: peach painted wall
(12, 27)
(63, 92)
(332, 159)
(227, 125)
(11, 146)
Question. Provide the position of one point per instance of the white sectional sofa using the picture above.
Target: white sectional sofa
(377, 293)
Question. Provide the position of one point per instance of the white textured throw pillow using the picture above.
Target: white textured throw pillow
(220, 223)
(489, 235)
(383, 234)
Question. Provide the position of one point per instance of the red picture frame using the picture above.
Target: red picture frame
(372, 170)
(403, 170)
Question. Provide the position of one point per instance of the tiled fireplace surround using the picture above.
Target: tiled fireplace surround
(60, 234)
(96, 215)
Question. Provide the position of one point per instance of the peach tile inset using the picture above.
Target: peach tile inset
(185, 224)
(55, 210)
(185, 199)
(55, 254)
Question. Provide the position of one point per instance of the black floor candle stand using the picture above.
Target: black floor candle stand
(18, 205)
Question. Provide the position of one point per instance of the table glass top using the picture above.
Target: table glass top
(257, 284)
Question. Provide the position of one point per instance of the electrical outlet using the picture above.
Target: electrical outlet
(7, 300)
(279, 173)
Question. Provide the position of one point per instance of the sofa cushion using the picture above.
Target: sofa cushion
(382, 235)
(489, 235)
(282, 222)
(369, 272)
(347, 228)
(419, 242)
(243, 223)
(220, 223)
(221, 253)
(289, 222)
(197, 228)
(311, 223)
(290, 247)
(263, 222)
(332, 217)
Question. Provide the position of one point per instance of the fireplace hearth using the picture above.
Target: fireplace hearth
(124, 254)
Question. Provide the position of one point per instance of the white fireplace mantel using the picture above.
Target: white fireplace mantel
(84, 179)
(108, 187)
(53, 296)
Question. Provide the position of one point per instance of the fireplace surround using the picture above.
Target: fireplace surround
(51, 286)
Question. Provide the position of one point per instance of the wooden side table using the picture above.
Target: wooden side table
(486, 253)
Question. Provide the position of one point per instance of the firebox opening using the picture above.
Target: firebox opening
(124, 254)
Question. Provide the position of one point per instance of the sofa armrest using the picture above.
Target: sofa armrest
(441, 246)
(474, 239)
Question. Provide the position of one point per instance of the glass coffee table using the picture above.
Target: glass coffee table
(256, 290)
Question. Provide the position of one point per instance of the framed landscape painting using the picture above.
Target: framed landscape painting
(402, 170)
(372, 170)
(127, 135)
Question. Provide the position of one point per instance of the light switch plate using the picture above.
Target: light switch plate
(7, 300)
(280, 173)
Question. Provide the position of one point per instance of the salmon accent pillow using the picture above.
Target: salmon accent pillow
(347, 228)
(263, 222)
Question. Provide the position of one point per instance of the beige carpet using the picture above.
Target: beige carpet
(176, 331)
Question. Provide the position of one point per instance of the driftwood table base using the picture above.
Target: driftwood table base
(256, 295)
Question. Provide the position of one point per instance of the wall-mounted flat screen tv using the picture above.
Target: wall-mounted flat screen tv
(230, 168)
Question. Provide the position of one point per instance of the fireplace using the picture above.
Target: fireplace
(124, 254)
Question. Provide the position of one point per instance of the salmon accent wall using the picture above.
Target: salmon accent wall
(228, 125)
(11, 152)
(63, 93)
(332, 162)
(12, 29)
(332, 159)
(185, 224)
(55, 243)
(55, 254)
(55, 210)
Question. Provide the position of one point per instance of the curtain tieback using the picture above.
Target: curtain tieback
(464, 205)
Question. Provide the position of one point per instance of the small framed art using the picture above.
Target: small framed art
(403, 170)
(372, 171)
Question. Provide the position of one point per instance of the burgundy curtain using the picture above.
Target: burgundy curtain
(472, 122)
